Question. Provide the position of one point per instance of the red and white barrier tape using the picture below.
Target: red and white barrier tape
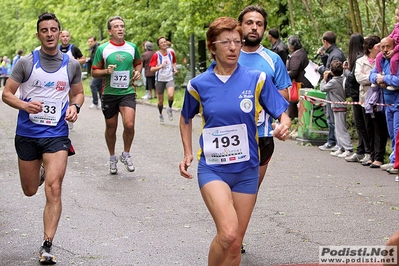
(322, 102)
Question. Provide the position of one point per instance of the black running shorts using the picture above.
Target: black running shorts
(111, 103)
(266, 147)
(30, 149)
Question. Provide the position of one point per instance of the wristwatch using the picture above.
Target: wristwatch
(77, 107)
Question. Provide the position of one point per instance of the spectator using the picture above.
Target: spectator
(95, 83)
(149, 75)
(335, 90)
(16, 58)
(334, 53)
(393, 54)
(277, 44)
(376, 124)
(355, 52)
(387, 81)
(4, 71)
(296, 64)
(143, 70)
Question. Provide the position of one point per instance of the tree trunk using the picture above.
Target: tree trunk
(291, 10)
(358, 18)
(305, 3)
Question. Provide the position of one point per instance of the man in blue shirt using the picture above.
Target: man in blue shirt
(253, 20)
(389, 82)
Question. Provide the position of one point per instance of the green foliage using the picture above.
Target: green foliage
(178, 19)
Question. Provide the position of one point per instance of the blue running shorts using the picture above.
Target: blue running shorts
(242, 182)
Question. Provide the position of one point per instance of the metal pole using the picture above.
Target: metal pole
(192, 55)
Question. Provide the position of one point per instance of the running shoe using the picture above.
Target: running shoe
(354, 157)
(42, 175)
(170, 113)
(326, 147)
(161, 120)
(386, 166)
(113, 169)
(45, 256)
(336, 153)
(392, 171)
(335, 148)
(128, 163)
(93, 106)
(366, 158)
(345, 154)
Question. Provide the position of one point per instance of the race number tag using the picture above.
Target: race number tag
(51, 112)
(226, 145)
(120, 79)
(167, 69)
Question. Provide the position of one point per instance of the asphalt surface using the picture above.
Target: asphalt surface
(156, 217)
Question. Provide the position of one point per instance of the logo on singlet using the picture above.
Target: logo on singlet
(120, 57)
(37, 83)
(60, 85)
(246, 105)
(49, 84)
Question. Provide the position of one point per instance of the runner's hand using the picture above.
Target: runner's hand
(184, 165)
(33, 107)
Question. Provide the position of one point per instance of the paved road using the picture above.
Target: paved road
(155, 217)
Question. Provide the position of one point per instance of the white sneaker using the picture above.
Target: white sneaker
(128, 163)
(45, 256)
(336, 153)
(113, 169)
(170, 113)
(386, 166)
(354, 157)
(365, 158)
(93, 106)
(397, 179)
(345, 154)
(145, 97)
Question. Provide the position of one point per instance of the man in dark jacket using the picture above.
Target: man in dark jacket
(332, 52)
(277, 44)
(95, 83)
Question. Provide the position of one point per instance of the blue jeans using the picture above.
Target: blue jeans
(96, 88)
(331, 125)
(392, 115)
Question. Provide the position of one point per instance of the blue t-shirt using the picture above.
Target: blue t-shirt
(269, 62)
(234, 103)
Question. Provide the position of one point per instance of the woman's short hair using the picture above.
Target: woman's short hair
(369, 43)
(294, 42)
(218, 26)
